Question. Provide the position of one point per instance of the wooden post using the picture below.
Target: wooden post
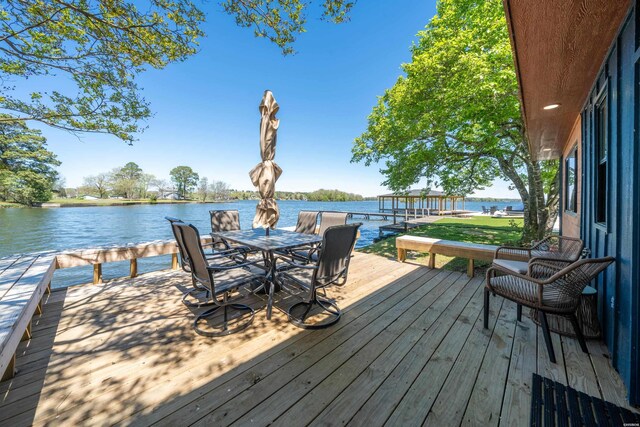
(27, 333)
(174, 261)
(97, 274)
(49, 288)
(39, 308)
(432, 260)
(133, 268)
(10, 372)
(402, 254)
(470, 267)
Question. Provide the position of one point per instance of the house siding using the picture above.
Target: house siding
(618, 288)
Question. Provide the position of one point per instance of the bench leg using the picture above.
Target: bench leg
(27, 333)
(470, 267)
(10, 372)
(402, 254)
(432, 260)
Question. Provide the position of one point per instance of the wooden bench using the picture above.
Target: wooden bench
(471, 251)
(23, 281)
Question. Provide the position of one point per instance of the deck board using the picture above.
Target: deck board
(410, 347)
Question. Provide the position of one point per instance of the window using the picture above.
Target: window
(601, 132)
(570, 187)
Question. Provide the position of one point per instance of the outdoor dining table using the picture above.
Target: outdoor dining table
(276, 240)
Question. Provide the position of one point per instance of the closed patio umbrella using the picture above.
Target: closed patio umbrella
(267, 172)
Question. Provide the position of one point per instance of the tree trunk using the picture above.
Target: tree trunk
(539, 214)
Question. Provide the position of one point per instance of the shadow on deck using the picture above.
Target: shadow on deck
(410, 348)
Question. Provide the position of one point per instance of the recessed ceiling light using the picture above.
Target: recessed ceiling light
(551, 107)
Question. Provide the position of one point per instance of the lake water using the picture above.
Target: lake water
(32, 230)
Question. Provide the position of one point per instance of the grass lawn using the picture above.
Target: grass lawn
(10, 205)
(492, 231)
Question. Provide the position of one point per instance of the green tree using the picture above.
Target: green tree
(125, 181)
(185, 180)
(455, 119)
(101, 46)
(203, 189)
(99, 185)
(27, 168)
(219, 190)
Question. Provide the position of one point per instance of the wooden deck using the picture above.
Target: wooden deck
(409, 349)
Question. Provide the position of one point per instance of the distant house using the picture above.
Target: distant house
(87, 197)
(578, 71)
(171, 196)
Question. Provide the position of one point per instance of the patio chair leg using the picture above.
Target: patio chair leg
(547, 335)
(579, 334)
(223, 327)
(519, 313)
(486, 308)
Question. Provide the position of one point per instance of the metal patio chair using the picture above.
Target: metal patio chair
(331, 219)
(329, 269)
(221, 280)
(224, 256)
(547, 288)
(307, 222)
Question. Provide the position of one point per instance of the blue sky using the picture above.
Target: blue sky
(206, 108)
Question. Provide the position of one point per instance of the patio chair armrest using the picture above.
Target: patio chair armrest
(557, 263)
(542, 268)
(512, 252)
(506, 272)
(228, 267)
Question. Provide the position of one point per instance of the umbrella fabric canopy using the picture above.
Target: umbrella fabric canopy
(267, 172)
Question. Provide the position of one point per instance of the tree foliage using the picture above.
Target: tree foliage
(98, 45)
(185, 180)
(99, 184)
(280, 21)
(332, 196)
(27, 168)
(87, 54)
(455, 119)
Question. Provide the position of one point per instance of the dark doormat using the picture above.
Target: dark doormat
(554, 404)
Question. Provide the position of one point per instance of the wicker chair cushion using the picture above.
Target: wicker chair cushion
(513, 287)
(520, 267)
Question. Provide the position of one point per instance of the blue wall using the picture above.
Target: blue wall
(619, 286)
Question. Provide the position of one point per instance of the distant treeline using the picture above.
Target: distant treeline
(314, 196)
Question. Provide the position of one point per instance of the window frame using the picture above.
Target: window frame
(573, 155)
(601, 137)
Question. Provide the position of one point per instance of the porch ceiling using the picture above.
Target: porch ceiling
(558, 48)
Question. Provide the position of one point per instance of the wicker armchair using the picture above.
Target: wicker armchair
(552, 247)
(547, 287)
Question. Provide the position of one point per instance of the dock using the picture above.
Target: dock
(409, 349)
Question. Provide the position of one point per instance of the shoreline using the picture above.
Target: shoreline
(120, 203)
